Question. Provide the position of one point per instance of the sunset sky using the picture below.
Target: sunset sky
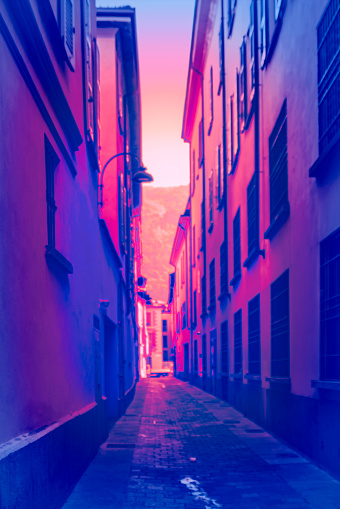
(164, 35)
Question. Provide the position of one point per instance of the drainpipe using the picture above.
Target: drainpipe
(224, 141)
(204, 311)
(187, 291)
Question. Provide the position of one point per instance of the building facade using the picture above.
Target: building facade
(261, 116)
(69, 337)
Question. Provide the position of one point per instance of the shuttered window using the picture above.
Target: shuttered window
(238, 355)
(280, 357)
(278, 164)
(254, 346)
(252, 216)
(224, 347)
(212, 292)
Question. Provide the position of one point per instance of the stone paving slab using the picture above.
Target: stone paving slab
(178, 447)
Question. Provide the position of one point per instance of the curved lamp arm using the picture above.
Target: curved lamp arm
(104, 168)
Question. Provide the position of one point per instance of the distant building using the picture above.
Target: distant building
(69, 337)
(159, 327)
(262, 116)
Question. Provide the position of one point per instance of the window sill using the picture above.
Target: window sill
(330, 385)
(224, 296)
(319, 168)
(53, 255)
(278, 221)
(236, 279)
(284, 380)
(211, 227)
(253, 256)
(253, 378)
(236, 376)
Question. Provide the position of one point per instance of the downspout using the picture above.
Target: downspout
(204, 311)
(187, 291)
(224, 141)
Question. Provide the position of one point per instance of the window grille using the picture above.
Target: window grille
(51, 163)
(238, 356)
(194, 245)
(195, 357)
(277, 8)
(328, 39)
(330, 307)
(224, 347)
(212, 292)
(165, 341)
(213, 352)
(165, 355)
(243, 85)
(223, 269)
(193, 174)
(280, 326)
(278, 164)
(231, 132)
(252, 50)
(164, 325)
(219, 177)
(69, 33)
(254, 342)
(237, 244)
(252, 216)
(231, 14)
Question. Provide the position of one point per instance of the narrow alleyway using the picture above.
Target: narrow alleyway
(180, 448)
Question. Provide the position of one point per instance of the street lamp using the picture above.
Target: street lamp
(141, 176)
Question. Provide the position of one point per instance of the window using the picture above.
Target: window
(211, 202)
(122, 211)
(193, 172)
(67, 30)
(219, 170)
(89, 71)
(221, 58)
(237, 248)
(178, 322)
(195, 357)
(263, 31)
(232, 127)
(330, 307)
(243, 85)
(194, 324)
(148, 318)
(223, 269)
(231, 14)
(200, 143)
(254, 344)
(252, 216)
(204, 356)
(213, 352)
(224, 347)
(238, 357)
(164, 325)
(277, 7)
(204, 296)
(252, 50)
(165, 355)
(152, 341)
(329, 75)
(194, 246)
(202, 223)
(165, 341)
(211, 100)
(278, 174)
(51, 163)
(280, 326)
(184, 316)
(212, 290)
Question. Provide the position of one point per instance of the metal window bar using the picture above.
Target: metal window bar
(330, 307)
(212, 292)
(280, 348)
(254, 343)
(237, 243)
(224, 347)
(238, 356)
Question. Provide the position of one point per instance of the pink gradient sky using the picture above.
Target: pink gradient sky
(164, 34)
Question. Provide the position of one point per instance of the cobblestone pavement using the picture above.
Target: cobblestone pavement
(178, 447)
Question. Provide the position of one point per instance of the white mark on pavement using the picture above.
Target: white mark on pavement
(198, 493)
